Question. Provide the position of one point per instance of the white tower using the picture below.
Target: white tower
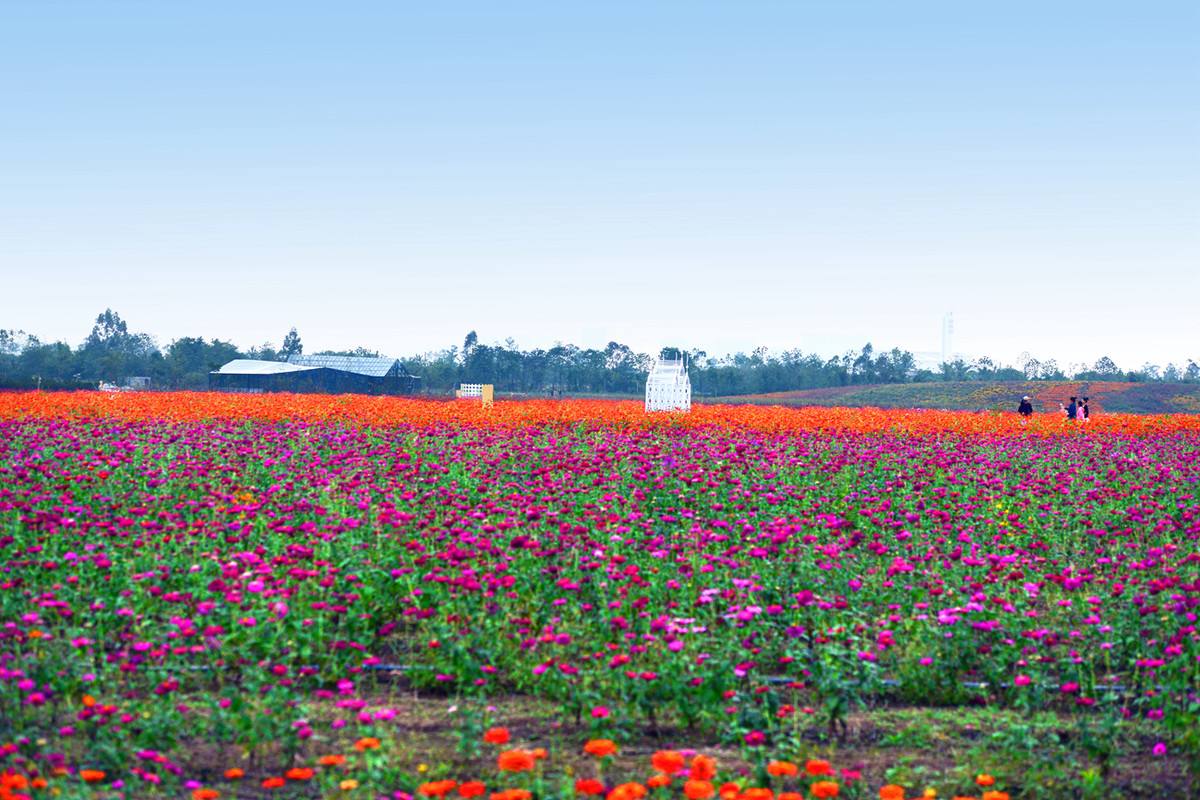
(668, 387)
(947, 338)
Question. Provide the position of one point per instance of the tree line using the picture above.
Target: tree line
(115, 354)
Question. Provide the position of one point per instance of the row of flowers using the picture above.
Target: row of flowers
(674, 773)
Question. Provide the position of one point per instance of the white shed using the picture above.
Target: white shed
(668, 387)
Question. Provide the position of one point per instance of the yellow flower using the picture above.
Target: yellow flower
(422, 768)
(348, 784)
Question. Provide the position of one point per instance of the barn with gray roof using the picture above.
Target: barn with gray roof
(315, 374)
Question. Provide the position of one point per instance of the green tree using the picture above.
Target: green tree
(112, 353)
(292, 346)
(189, 360)
(1106, 367)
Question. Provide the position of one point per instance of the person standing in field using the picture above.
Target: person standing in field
(1072, 409)
(1084, 412)
(1025, 409)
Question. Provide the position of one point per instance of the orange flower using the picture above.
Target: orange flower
(39, 783)
(658, 781)
(627, 791)
(696, 789)
(995, 796)
(891, 792)
(824, 789)
(11, 780)
(758, 793)
(703, 768)
(728, 791)
(88, 701)
(91, 775)
(348, 785)
(205, 794)
(471, 789)
(516, 761)
(273, 783)
(784, 769)
(791, 796)
(539, 753)
(512, 794)
(332, 760)
(299, 774)
(818, 766)
(366, 743)
(667, 762)
(496, 736)
(985, 780)
(588, 787)
(600, 748)
(233, 773)
(437, 788)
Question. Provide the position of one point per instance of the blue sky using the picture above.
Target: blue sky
(716, 175)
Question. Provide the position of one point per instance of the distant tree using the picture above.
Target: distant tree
(984, 369)
(1172, 374)
(863, 368)
(1106, 367)
(1192, 373)
(358, 352)
(263, 352)
(49, 365)
(12, 342)
(470, 342)
(112, 353)
(108, 331)
(895, 366)
(292, 346)
(189, 360)
(1008, 374)
(1050, 371)
(956, 370)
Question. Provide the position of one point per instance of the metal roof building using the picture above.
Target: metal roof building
(315, 374)
(362, 365)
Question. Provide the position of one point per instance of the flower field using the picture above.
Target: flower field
(210, 596)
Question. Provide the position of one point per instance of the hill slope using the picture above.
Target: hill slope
(1117, 397)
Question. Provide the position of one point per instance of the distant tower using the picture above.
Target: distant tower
(947, 338)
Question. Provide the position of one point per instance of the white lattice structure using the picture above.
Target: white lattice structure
(483, 392)
(668, 387)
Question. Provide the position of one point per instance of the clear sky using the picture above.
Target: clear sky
(714, 175)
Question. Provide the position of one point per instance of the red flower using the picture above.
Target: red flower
(589, 786)
(496, 736)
